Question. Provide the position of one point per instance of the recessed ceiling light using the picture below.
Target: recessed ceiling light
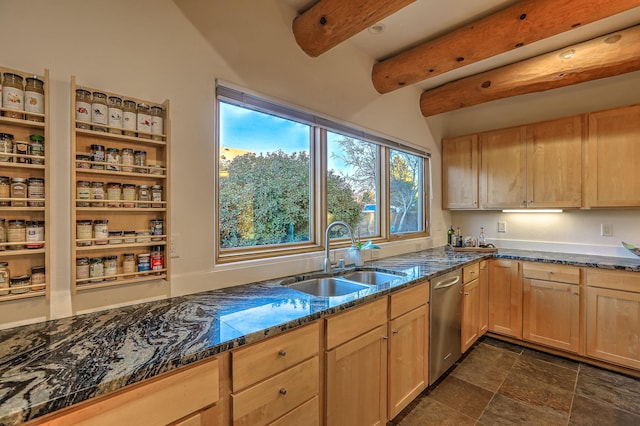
(377, 28)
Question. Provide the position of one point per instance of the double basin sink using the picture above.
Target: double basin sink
(342, 285)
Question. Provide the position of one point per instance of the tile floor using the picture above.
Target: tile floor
(498, 383)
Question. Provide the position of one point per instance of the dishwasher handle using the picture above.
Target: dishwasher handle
(446, 283)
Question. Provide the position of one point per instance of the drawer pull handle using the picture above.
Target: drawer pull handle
(282, 353)
(396, 331)
(283, 391)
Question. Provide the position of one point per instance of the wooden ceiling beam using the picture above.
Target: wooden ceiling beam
(523, 23)
(606, 56)
(330, 22)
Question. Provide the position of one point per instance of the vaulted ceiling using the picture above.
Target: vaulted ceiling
(466, 52)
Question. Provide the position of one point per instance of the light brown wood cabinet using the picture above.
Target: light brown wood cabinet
(613, 153)
(408, 346)
(613, 316)
(551, 305)
(484, 296)
(505, 297)
(187, 396)
(272, 380)
(356, 366)
(471, 306)
(532, 166)
(460, 161)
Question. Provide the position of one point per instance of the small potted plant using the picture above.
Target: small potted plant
(358, 251)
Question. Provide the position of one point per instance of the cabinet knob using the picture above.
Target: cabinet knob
(283, 391)
(385, 338)
(282, 352)
(466, 293)
(396, 331)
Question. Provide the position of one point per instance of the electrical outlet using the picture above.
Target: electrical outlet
(173, 247)
(502, 226)
(606, 230)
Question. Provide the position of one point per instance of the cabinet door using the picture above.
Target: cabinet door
(613, 326)
(554, 163)
(460, 172)
(408, 340)
(503, 169)
(505, 297)
(613, 154)
(484, 297)
(356, 380)
(551, 314)
(470, 314)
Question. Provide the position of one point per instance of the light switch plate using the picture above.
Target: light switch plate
(502, 226)
(606, 230)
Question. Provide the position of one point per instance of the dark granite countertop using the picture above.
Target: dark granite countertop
(51, 365)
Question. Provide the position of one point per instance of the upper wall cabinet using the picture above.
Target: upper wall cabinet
(613, 155)
(460, 172)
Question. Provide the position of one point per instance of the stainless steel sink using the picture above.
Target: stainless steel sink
(327, 287)
(370, 277)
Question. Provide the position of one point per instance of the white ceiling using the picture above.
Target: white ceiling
(427, 19)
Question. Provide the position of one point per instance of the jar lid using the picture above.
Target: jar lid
(20, 279)
(157, 220)
(129, 101)
(37, 269)
(4, 264)
(156, 187)
(143, 255)
(36, 138)
(129, 185)
(129, 232)
(115, 97)
(101, 221)
(34, 179)
(83, 182)
(5, 178)
(115, 233)
(97, 183)
(83, 222)
(82, 259)
(6, 136)
(143, 187)
(127, 149)
(32, 223)
(100, 94)
(83, 91)
(7, 74)
(110, 257)
(35, 78)
(96, 260)
(17, 179)
(128, 254)
(16, 222)
(83, 157)
(140, 152)
(114, 183)
(97, 146)
(113, 150)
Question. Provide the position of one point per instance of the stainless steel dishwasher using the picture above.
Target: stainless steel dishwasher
(445, 316)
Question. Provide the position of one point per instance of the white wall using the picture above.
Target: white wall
(149, 49)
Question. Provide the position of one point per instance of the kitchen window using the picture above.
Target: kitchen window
(284, 174)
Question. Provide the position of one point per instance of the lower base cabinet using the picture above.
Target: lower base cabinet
(505, 297)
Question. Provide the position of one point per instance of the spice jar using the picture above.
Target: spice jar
(127, 159)
(113, 159)
(156, 169)
(12, 95)
(129, 264)
(129, 236)
(97, 156)
(19, 285)
(156, 196)
(157, 229)
(82, 268)
(97, 193)
(157, 122)
(110, 265)
(129, 195)
(143, 237)
(114, 194)
(36, 149)
(140, 159)
(83, 161)
(129, 117)
(3, 234)
(157, 258)
(96, 270)
(38, 278)
(84, 231)
(100, 230)
(99, 111)
(115, 114)
(35, 190)
(34, 98)
(18, 190)
(5, 277)
(6, 147)
(83, 109)
(144, 121)
(34, 234)
(115, 237)
(143, 195)
(144, 262)
(83, 193)
(16, 233)
(5, 191)
(21, 149)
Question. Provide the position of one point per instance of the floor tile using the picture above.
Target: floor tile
(560, 361)
(506, 411)
(587, 412)
(502, 345)
(609, 387)
(431, 412)
(487, 367)
(536, 393)
(462, 396)
(545, 372)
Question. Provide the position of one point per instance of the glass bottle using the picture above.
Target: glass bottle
(83, 109)
(129, 117)
(144, 121)
(34, 98)
(157, 122)
(115, 114)
(99, 111)
(450, 233)
(12, 95)
(481, 240)
(6, 146)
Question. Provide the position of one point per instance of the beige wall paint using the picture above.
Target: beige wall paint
(149, 49)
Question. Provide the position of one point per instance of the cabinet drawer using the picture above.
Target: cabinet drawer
(616, 280)
(551, 272)
(407, 300)
(347, 325)
(270, 399)
(257, 362)
(308, 414)
(470, 273)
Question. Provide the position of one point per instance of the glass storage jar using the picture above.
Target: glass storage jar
(16, 234)
(84, 231)
(157, 122)
(35, 191)
(3, 234)
(5, 191)
(127, 159)
(21, 149)
(129, 264)
(96, 270)
(35, 234)
(157, 258)
(100, 231)
(6, 147)
(34, 98)
(157, 229)
(98, 156)
(99, 111)
(19, 285)
(18, 190)
(115, 237)
(129, 195)
(113, 159)
(144, 121)
(82, 268)
(110, 264)
(38, 278)
(83, 161)
(144, 195)
(156, 196)
(97, 193)
(115, 115)
(129, 117)
(140, 159)
(12, 95)
(83, 109)
(129, 236)
(5, 278)
(83, 193)
(144, 262)
(114, 194)
(36, 149)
